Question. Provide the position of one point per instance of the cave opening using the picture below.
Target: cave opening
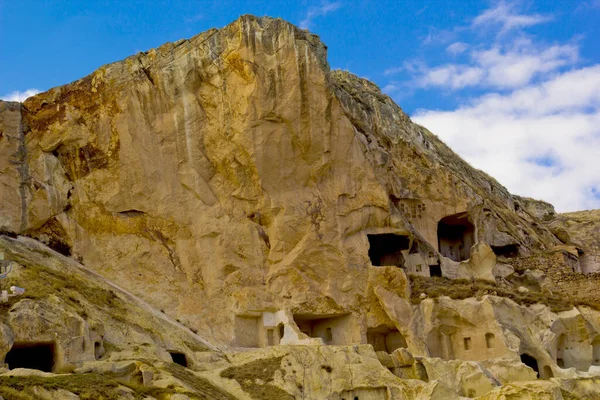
(32, 355)
(179, 358)
(531, 362)
(435, 270)
(456, 235)
(386, 249)
(507, 251)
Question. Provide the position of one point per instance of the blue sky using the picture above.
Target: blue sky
(512, 86)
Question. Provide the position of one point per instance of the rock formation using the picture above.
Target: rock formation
(279, 230)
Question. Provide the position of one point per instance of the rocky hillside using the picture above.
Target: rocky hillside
(276, 230)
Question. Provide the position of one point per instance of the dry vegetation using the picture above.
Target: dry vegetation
(460, 289)
(86, 386)
(264, 370)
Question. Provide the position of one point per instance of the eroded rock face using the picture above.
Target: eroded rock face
(235, 183)
(234, 170)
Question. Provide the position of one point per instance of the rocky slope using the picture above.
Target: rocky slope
(307, 237)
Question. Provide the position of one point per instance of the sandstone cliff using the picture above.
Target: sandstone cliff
(238, 185)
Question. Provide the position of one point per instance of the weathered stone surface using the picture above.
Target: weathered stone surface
(244, 196)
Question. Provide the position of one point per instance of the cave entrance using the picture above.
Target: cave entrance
(32, 355)
(508, 251)
(531, 362)
(385, 339)
(386, 249)
(179, 358)
(332, 329)
(456, 235)
(435, 270)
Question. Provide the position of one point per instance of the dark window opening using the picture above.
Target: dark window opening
(328, 335)
(281, 328)
(386, 249)
(508, 251)
(179, 358)
(560, 362)
(98, 351)
(456, 235)
(38, 356)
(435, 270)
(467, 343)
(489, 340)
(531, 362)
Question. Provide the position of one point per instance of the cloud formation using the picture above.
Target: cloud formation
(508, 18)
(321, 10)
(498, 66)
(529, 113)
(457, 48)
(19, 96)
(541, 141)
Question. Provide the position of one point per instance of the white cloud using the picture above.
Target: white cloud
(19, 96)
(518, 66)
(533, 122)
(504, 63)
(452, 76)
(457, 48)
(500, 66)
(541, 141)
(321, 10)
(505, 16)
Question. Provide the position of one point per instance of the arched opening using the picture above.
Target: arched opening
(456, 235)
(179, 358)
(32, 355)
(281, 329)
(531, 362)
(489, 340)
(467, 343)
(386, 249)
(547, 372)
(98, 350)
